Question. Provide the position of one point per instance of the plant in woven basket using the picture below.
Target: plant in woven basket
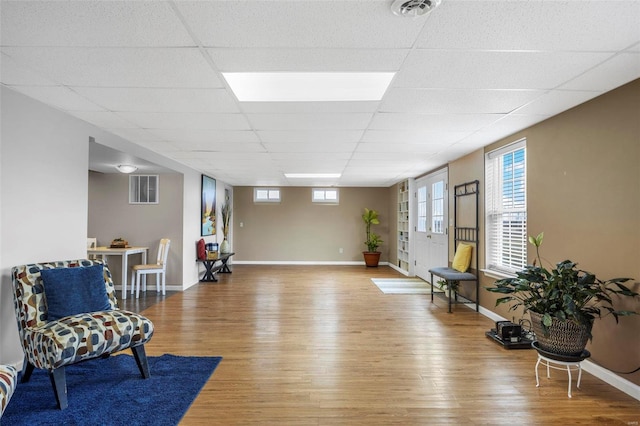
(561, 294)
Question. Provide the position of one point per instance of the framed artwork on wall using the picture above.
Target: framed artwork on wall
(208, 209)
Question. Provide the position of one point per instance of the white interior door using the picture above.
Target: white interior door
(430, 233)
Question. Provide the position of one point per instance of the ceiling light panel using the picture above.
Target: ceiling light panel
(308, 86)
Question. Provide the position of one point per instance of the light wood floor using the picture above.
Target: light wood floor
(323, 346)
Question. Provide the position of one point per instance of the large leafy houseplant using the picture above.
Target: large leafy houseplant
(370, 217)
(372, 255)
(564, 293)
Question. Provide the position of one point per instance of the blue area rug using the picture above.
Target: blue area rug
(112, 392)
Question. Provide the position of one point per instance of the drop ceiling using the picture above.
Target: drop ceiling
(467, 74)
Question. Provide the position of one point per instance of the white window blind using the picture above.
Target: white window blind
(506, 208)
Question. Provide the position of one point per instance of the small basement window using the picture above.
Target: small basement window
(325, 195)
(144, 189)
(266, 195)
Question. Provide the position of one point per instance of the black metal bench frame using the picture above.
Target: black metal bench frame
(468, 234)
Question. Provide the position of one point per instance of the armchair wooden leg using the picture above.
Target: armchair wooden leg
(141, 359)
(27, 369)
(59, 383)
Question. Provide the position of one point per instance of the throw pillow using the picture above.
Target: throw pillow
(72, 291)
(462, 258)
(202, 252)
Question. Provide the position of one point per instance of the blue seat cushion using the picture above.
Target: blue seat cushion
(450, 274)
(72, 291)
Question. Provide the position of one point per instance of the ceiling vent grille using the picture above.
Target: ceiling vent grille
(413, 8)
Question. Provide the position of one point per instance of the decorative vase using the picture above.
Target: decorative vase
(565, 337)
(224, 246)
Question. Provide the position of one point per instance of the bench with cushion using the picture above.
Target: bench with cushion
(457, 273)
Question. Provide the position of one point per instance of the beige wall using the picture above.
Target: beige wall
(111, 216)
(298, 230)
(584, 192)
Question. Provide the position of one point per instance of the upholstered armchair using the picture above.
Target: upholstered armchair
(8, 381)
(67, 312)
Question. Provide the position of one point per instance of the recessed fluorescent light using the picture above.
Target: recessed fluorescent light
(308, 86)
(312, 175)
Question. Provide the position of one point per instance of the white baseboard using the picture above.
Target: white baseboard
(402, 271)
(304, 262)
(612, 379)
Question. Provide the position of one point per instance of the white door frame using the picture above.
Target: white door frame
(428, 240)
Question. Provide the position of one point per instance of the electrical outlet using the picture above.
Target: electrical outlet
(340, 250)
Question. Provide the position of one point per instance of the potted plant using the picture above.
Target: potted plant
(225, 212)
(372, 255)
(563, 302)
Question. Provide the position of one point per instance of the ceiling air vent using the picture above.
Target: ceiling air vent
(413, 8)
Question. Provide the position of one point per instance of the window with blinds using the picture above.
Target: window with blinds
(143, 189)
(506, 208)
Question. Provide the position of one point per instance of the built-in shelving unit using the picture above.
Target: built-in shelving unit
(404, 227)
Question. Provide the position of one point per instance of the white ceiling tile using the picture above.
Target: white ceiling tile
(556, 101)
(201, 137)
(160, 120)
(13, 73)
(220, 147)
(308, 107)
(309, 60)
(307, 146)
(306, 156)
(311, 165)
(404, 148)
(113, 67)
(165, 148)
(104, 119)
(533, 25)
(309, 121)
(91, 23)
(414, 136)
(160, 100)
(341, 24)
(433, 122)
(456, 101)
(493, 70)
(503, 128)
(59, 97)
(310, 136)
(613, 73)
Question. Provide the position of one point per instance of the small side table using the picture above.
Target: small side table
(216, 264)
(560, 362)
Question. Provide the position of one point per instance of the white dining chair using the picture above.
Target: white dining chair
(139, 272)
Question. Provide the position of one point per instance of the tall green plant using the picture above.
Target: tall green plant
(225, 212)
(370, 217)
(564, 292)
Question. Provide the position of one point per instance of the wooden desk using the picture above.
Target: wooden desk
(124, 253)
(211, 268)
